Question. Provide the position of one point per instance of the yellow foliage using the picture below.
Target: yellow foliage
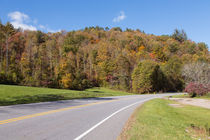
(67, 80)
(132, 53)
(141, 48)
(23, 58)
(195, 57)
(63, 65)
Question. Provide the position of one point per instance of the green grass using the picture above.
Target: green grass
(10, 94)
(156, 120)
(207, 96)
(181, 96)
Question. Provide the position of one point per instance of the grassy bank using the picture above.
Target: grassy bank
(21, 94)
(156, 120)
(207, 96)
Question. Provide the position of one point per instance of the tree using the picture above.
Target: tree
(122, 73)
(7, 30)
(147, 77)
(179, 35)
(198, 72)
(173, 73)
(1, 46)
(117, 29)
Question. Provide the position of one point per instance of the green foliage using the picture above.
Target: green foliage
(117, 29)
(173, 48)
(179, 35)
(173, 73)
(40, 37)
(202, 46)
(121, 73)
(159, 53)
(147, 77)
(72, 42)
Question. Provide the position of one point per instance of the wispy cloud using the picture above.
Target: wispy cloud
(23, 21)
(20, 20)
(46, 28)
(119, 18)
(42, 27)
(53, 31)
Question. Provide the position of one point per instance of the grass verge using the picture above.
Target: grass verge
(10, 95)
(207, 96)
(156, 120)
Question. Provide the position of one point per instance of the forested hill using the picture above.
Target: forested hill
(128, 60)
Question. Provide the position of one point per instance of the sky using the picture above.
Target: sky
(159, 17)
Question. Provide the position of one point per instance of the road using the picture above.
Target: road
(85, 119)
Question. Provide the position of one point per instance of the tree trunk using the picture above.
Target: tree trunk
(1, 58)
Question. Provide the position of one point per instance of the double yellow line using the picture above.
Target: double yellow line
(51, 112)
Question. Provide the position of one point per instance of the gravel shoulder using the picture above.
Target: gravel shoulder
(195, 102)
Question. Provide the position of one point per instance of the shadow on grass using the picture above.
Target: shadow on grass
(98, 91)
(32, 99)
(45, 98)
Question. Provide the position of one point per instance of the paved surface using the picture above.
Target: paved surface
(88, 119)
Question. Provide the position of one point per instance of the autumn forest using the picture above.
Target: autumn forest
(128, 60)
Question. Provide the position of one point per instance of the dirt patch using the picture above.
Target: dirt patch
(195, 102)
(199, 132)
(175, 105)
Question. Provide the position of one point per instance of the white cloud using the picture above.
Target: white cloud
(19, 20)
(18, 16)
(23, 21)
(119, 18)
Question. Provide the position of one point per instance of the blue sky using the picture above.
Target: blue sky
(153, 16)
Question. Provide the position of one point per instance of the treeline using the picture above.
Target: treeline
(127, 60)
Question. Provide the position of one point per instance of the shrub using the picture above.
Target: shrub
(196, 89)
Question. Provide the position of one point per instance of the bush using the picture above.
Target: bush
(196, 89)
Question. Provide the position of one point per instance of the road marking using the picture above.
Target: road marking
(57, 110)
(92, 128)
(52, 111)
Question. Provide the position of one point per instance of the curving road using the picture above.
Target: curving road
(88, 119)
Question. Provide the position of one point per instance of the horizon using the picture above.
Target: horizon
(158, 18)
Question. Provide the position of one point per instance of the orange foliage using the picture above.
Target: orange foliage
(141, 48)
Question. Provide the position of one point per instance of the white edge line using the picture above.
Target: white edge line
(92, 128)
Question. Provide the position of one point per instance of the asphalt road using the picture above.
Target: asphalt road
(88, 119)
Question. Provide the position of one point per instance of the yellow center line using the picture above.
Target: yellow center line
(51, 111)
(55, 111)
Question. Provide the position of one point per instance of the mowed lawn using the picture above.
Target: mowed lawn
(10, 94)
(157, 120)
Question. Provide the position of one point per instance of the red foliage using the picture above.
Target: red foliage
(109, 78)
(195, 89)
(46, 83)
(152, 55)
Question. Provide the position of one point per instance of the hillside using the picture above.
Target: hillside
(129, 60)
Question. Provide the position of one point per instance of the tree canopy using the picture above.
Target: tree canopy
(128, 60)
